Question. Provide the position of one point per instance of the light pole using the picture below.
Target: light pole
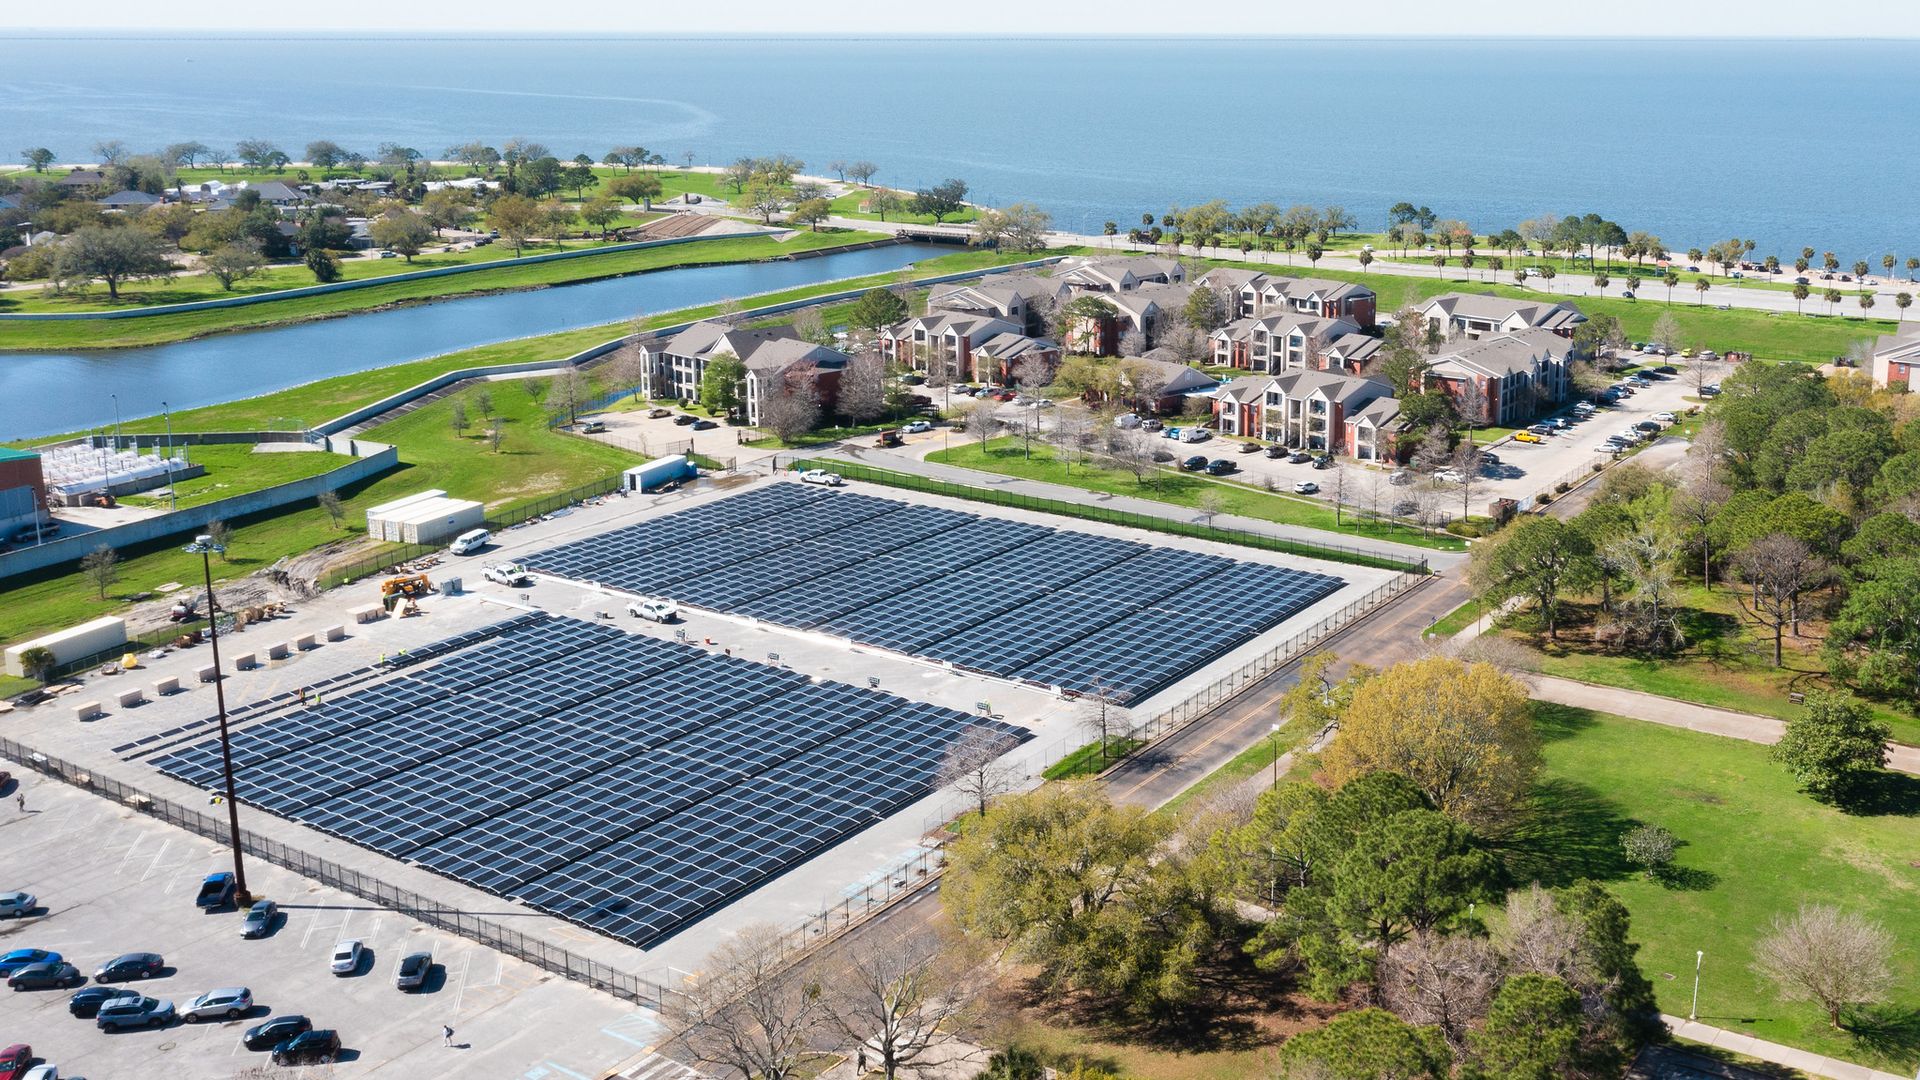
(172, 499)
(204, 546)
(1275, 730)
(1693, 1011)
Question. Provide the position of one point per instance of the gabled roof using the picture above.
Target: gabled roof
(1161, 296)
(1903, 346)
(1500, 309)
(130, 198)
(1180, 378)
(83, 178)
(1244, 390)
(1013, 346)
(1335, 387)
(710, 338)
(1231, 278)
(273, 191)
(778, 354)
(1312, 326)
(1379, 412)
(1116, 271)
(1505, 354)
(959, 324)
(1355, 346)
(1320, 289)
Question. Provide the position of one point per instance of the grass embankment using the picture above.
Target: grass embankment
(158, 329)
(848, 206)
(1006, 457)
(1260, 759)
(236, 470)
(1456, 620)
(1727, 661)
(1752, 847)
(1767, 334)
(1090, 759)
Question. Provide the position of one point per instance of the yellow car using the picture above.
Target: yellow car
(1526, 436)
(1686, 354)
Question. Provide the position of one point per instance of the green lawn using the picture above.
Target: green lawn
(848, 206)
(1258, 759)
(1005, 457)
(1727, 662)
(1753, 847)
(1457, 620)
(236, 470)
(158, 329)
(1088, 760)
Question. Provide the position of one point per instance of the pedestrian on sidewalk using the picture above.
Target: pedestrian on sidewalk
(446, 1035)
(21, 798)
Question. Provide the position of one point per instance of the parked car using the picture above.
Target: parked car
(19, 958)
(231, 1003)
(413, 969)
(1306, 487)
(1666, 417)
(1667, 369)
(346, 957)
(1126, 421)
(684, 419)
(655, 610)
(1161, 457)
(1150, 424)
(130, 966)
(1251, 448)
(704, 425)
(216, 891)
(1195, 434)
(1324, 461)
(271, 1033)
(510, 574)
(1195, 463)
(1299, 457)
(1488, 457)
(1276, 451)
(1526, 436)
(1221, 467)
(260, 917)
(1584, 408)
(1541, 429)
(1710, 390)
(1648, 426)
(307, 1047)
(86, 1004)
(915, 427)
(1447, 476)
(822, 477)
(50, 976)
(14, 1060)
(1559, 423)
(1171, 433)
(657, 412)
(15, 904)
(134, 1012)
(44, 1071)
(1709, 354)
(593, 427)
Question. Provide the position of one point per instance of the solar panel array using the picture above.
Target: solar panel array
(1053, 606)
(626, 783)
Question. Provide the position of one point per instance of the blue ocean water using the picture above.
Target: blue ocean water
(1789, 143)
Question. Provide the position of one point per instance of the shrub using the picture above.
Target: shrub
(1562, 487)
(1463, 528)
(1649, 847)
(1543, 498)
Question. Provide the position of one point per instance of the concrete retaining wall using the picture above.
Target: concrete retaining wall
(348, 286)
(372, 459)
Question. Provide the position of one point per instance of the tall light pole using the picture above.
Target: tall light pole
(172, 499)
(1693, 1011)
(204, 546)
(1275, 730)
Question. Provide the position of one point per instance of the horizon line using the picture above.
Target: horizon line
(241, 34)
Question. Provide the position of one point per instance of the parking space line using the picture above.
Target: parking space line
(155, 862)
(466, 965)
(562, 1069)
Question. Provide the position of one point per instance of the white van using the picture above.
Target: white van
(469, 542)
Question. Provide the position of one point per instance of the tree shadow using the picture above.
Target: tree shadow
(1891, 1031)
(1686, 878)
(1556, 722)
(1567, 831)
(1886, 794)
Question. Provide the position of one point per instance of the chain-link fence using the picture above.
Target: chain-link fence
(486, 931)
(1314, 549)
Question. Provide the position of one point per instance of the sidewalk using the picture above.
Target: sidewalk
(1807, 1062)
(1682, 714)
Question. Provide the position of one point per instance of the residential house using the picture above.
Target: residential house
(1313, 410)
(130, 200)
(1251, 294)
(1017, 298)
(82, 179)
(1476, 315)
(271, 192)
(973, 348)
(1142, 311)
(1121, 274)
(793, 362)
(1896, 357)
(1176, 383)
(1506, 379)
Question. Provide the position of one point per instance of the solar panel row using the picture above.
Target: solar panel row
(1065, 608)
(627, 783)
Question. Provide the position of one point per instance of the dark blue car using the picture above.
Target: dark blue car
(20, 958)
(216, 892)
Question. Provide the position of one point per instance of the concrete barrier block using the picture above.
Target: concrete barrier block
(88, 710)
(246, 661)
(370, 613)
(130, 698)
(336, 633)
(279, 652)
(304, 642)
(163, 687)
(205, 672)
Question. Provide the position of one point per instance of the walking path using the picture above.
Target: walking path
(1684, 714)
(1806, 1061)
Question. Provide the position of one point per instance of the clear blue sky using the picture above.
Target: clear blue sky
(1616, 18)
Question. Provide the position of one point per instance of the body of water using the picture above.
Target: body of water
(1789, 143)
(53, 392)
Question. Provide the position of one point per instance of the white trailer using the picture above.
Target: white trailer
(73, 643)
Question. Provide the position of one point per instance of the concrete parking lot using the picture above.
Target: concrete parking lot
(111, 880)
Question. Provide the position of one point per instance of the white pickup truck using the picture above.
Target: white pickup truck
(510, 574)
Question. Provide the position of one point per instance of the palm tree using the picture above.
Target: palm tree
(1633, 283)
(1833, 300)
(1866, 302)
(1913, 264)
(1773, 267)
(1549, 273)
(1800, 294)
(1439, 263)
(1366, 258)
(1887, 262)
(1830, 260)
(1903, 301)
(1670, 281)
(1807, 254)
(1701, 285)
(1860, 268)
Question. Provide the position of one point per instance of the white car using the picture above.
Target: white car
(1560, 422)
(41, 1072)
(821, 476)
(1195, 434)
(346, 956)
(228, 1003)
(660, 611)
(512, 575)
(1628, 436)
(15, 904)
(1447, 476)
(1306, 487)
(1126, 420)
(1666, 417)
(916, 427)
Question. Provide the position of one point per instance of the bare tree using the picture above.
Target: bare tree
(569, 393)
(978, 413)
(1824, 955)
(1210, 504)
(1466, 462)
(457, 416)
(1133, 343)
(1698, 502)
(1074, 431)
(1446, 980)
(972, 765)
(863, 388)
(1781, 569)
(1699, 373)
(810, 325)
(495, 436)
(102, 568)
(329, 504)
(1436, 448)
(222, 535)
(746, 1013)
(1133, 451)
(790, 408)
(628, 370)
(483, 400)
(897, 998)
(1103, 714)
(1032, 373)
